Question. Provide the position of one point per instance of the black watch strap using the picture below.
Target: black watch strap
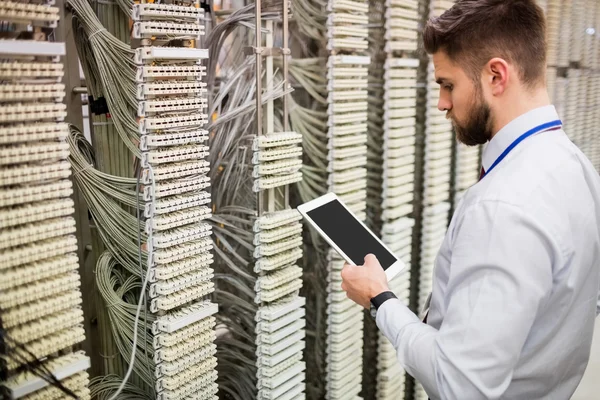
(381, 298)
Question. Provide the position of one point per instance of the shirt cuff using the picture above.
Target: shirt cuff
(392, 317)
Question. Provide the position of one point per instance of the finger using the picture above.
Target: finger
(371, 260)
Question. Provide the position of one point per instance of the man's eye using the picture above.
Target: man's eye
(448, 87)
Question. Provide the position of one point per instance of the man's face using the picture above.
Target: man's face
(463, 101)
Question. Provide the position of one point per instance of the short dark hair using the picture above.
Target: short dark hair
(473, 32)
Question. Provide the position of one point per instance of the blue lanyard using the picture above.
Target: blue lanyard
(537, 129)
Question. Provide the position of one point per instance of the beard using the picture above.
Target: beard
(478, 128)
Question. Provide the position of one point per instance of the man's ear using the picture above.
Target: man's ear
(496, 75)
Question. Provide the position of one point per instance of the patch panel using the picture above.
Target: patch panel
(277, 261)
(176, 219)
(170, 88)
(25, 112)
(154, 11)
(200, 327)
(21, 154)
(171, 354)
(149, 54)
(186, 361)
(183, 281)
(25, 92)
(170, 105)
(29, 13)
(276, 181)
(169, 271)
(23, 133)
(28, 233)
(30, 253)
(151, 72)
(24, 174)
(28, 273)
(276, 154)
(176, 187)
(173, 139)
(284, 167)
(174, 154)
(177, 253)
(36, 309)
(276, 234)
(177, 203)
(276, 140)
(169, 302)
(177, 236)
(19, 70)
(174, 382)
(174, 171)
(40, 289)
(49, 345)
(63, 367)
(46, 326)
(29, 213)
(182, 121)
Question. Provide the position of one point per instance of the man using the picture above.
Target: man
(516, 281)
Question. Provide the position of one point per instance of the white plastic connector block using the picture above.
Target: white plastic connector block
(272, 235)
(170, 88)
(176, 187)
(152, 29)
(182, 104)
(276, 140)
(28, 92)
(177, 236)
(153, 11)
(61, 368)
(183, 317)
(270, 182)
(147, 54)
(276, 220)
(176, 154)
(151, 72)
(278, 261)
(177, 253)
(184, 121)
(178, 170)
(29, 213)
(172, 270)
(32, 48)
(276, 154)
(176, 203)
(176, 219)
(26, 173)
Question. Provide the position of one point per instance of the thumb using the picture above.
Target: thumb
(371, 260)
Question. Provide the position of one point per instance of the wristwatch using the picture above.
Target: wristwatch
(378, 300)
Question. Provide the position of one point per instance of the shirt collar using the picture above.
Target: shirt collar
(518, 126)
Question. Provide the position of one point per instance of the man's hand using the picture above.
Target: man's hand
(362, 283)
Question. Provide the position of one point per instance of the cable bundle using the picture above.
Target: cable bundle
(41, 319)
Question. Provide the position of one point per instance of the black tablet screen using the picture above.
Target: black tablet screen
(349, 234)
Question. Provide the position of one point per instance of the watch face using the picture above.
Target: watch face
(373, 311)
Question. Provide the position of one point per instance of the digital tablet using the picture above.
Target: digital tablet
(347, 234)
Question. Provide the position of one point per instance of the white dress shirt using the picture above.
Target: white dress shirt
(517, 279)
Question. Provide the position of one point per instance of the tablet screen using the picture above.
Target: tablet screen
(349, 234)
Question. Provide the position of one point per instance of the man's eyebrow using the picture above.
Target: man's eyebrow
(441, 81)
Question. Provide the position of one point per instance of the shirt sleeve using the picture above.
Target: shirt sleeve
(501, 271)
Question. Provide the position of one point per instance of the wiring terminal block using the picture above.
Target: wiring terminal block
(172, 114)
(40, 296)
(280, 323)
